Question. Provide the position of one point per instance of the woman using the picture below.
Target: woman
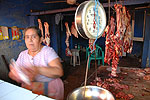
(41, 64)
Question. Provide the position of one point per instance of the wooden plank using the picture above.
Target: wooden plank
(133, 23)
(53, 11)
(144, 23)
(127, 2)
(124, 2)
(138, 39)
(142, 7)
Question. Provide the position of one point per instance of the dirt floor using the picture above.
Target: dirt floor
(130, 78)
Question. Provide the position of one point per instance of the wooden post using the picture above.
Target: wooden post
(144, 24)
(133, 20)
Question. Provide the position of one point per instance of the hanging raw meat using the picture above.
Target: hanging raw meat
(68, 52)
(124, 19)
(105, 31)
(117, 39)
(47, 34)
(46, 38)
(128, 43)
(120, 40)
(91, 45)
(40, 26)
(109, 44)
(68, 34)
(73, 30)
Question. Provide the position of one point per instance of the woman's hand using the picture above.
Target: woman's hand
(13, 74)
(31, 72)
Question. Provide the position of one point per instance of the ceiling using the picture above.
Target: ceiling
(61, 6)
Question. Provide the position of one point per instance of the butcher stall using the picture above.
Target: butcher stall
(131, 83)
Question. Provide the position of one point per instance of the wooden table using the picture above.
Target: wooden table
(9, 91)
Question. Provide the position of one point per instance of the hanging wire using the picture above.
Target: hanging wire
(113, 9)
(108, 12)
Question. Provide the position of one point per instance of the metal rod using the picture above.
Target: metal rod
(95, 65)
(86, 73)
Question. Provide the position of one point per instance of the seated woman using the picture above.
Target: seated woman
(41, 64)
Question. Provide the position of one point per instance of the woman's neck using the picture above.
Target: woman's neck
(33, 53)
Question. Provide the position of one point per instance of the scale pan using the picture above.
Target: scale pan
(90, 93)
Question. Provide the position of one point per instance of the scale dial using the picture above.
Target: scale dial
(90, 20)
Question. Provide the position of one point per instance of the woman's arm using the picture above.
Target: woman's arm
(13, 74)
(53, 71)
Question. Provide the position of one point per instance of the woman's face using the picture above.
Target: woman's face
(32, 40)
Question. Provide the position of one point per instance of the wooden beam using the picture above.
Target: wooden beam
(142, 7)
(124, 2)
(144, 23)
(138, 39)
(52, 11)
(133, 23)
(127, 2)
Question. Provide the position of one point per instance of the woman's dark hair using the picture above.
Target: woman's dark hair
(38, 31)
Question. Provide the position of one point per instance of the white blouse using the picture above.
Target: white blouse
(41, 59)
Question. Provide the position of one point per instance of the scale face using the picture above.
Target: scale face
(90, 24)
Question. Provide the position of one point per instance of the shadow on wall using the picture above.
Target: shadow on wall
(9, 49)
(4, 73)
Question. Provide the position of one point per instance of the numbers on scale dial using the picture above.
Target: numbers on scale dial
(91, 24)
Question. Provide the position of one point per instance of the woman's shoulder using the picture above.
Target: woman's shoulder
(49, 51)
(47, 48)
(49, 54)
(24, 52)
